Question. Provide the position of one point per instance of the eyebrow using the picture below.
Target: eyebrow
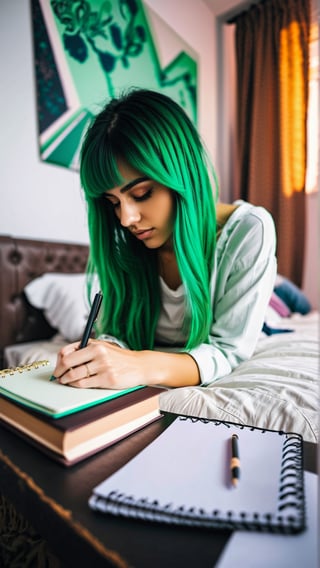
(133, 183)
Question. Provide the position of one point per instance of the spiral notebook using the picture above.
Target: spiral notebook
(30, 386)
(183, 477)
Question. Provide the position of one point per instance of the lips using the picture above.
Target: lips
(143, 234)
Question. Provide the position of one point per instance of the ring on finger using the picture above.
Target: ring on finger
(88, 372)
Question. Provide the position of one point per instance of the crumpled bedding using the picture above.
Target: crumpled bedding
(278, 388)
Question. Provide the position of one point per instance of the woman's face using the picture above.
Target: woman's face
(145, 207)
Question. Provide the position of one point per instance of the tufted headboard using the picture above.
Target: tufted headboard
(22, 260)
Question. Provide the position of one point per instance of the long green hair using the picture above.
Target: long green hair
(154, 135)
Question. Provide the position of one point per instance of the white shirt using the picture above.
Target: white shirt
(241, 287)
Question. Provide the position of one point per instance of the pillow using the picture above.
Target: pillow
(35, 325)
(292, 296)
(62, 297)
(279, 306)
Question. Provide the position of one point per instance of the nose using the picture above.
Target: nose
(129, 214)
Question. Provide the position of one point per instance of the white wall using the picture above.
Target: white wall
(44, 201)
(37, 200)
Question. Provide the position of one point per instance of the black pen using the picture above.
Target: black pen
(91, 319)
(89, 325)
(235, 460)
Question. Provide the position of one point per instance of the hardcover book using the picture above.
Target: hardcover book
(79, 433)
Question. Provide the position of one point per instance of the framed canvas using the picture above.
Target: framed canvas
(89, 51)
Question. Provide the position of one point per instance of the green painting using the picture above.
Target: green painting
(88, 51)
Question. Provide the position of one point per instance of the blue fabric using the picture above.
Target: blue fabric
(271, 330)
(291, 295)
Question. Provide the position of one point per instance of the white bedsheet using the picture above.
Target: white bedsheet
(24, 353)
(277, 388)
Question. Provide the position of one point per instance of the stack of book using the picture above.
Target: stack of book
(71, 424)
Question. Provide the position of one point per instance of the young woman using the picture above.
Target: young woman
(185, 282)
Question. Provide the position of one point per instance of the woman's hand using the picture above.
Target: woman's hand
(106, 365)
(99, 365)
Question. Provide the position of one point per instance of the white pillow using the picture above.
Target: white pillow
(62, 297)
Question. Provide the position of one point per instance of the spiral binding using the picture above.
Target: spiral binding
(128, 506)
(291, 490)
(289, 517)
(29, 367)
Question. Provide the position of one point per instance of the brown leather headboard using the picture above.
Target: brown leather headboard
(22, 260)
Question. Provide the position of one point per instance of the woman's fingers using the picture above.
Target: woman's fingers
(98, 365)
(71, 357)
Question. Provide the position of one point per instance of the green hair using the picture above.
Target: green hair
(151, 133)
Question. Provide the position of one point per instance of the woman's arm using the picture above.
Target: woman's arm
(246, 271)
(110, 366)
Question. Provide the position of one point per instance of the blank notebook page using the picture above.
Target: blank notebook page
(188, 466)
(31, 386)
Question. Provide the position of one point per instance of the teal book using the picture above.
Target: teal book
(31, 387)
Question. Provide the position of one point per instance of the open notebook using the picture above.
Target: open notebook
(30, 386)
(183, 477)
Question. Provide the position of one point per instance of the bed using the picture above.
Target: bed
(22, 261)
(277, 388)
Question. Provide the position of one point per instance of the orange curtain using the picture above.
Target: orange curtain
(272, 42)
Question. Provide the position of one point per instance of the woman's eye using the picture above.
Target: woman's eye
(141, 195)
(144, 196)
(113, 204)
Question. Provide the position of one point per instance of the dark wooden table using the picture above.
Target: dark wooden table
(55, 501)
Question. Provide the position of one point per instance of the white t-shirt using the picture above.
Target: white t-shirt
(169, 328)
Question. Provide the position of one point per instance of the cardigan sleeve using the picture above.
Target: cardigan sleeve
(243, 283)
(112, 339)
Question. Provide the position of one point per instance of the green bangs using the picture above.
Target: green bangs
(98, 168)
